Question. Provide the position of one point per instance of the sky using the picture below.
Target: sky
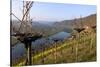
(43, 11)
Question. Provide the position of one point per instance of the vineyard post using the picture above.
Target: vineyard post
(91, 43)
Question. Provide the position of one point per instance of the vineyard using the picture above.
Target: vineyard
(82, 48)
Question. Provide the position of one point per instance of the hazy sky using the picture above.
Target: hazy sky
(41, 11)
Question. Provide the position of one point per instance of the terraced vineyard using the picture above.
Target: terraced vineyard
(82, 48)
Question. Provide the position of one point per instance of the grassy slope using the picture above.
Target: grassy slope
(80, 49)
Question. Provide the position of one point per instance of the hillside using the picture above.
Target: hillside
(82, 48)
(77, 22)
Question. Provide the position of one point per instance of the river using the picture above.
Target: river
(19, 50)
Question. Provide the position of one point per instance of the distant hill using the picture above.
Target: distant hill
(38, 27)
(88, 20)
(65, 25)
